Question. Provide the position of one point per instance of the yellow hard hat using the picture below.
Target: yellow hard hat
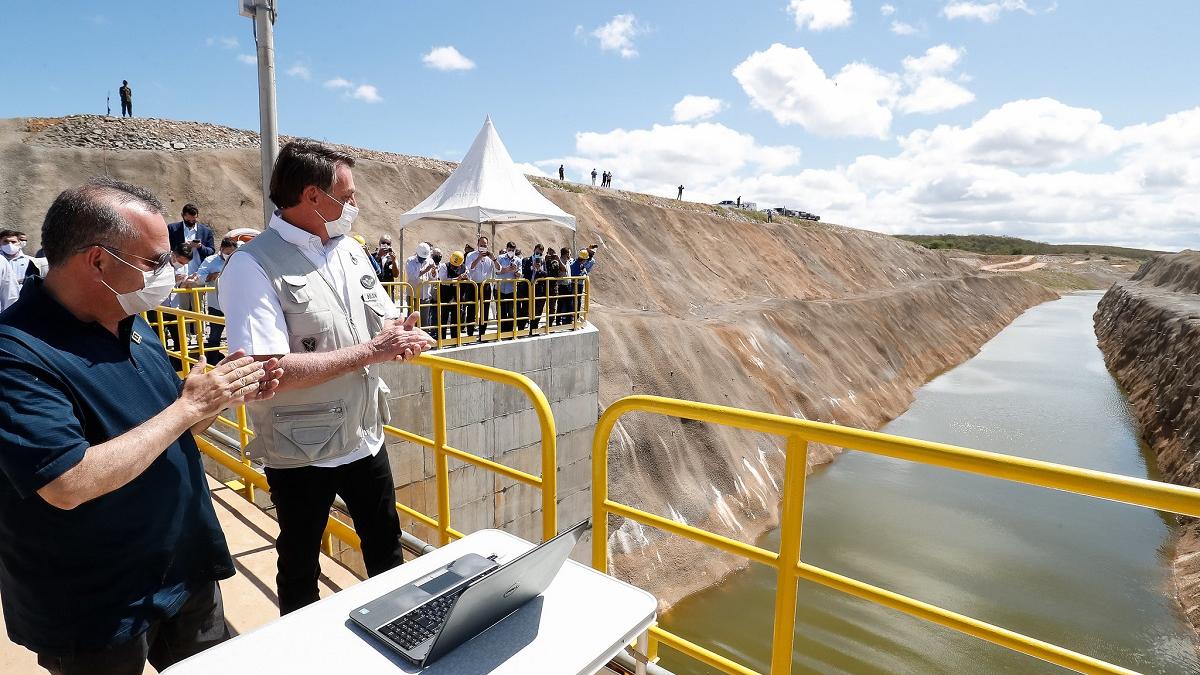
(456, 258)
(360, 240)
(584, 254)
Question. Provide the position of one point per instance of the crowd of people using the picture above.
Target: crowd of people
(497, 290)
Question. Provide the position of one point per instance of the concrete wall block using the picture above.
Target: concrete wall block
(568, 348)
(521, 356)
(469, 403)
(473, 516)
(527, 527)
(576, 379)
(407, 461)
(574, 508)
(542, 379)
(573, 478)
(575, 446)
(480, 353)
(469, 483)
(508, 399)
(516, 501)
(413, 412)
(577, 412)
(477, 439)
(517, 430)
(527, 459)
(405, 379)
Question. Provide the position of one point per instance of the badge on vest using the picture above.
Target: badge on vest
(368, 281)
(309, 344)
(136, 338)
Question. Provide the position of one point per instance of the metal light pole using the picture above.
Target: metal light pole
(264, 12)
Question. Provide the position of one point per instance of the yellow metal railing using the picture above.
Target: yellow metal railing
(787, 563)
(253, 479)
(456, 307)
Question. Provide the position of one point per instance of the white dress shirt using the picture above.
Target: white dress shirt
(9, 290)
(192, 233)
(484, 270)
(254, 318)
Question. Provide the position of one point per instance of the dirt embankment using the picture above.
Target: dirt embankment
(1149, 331)
(807, 319)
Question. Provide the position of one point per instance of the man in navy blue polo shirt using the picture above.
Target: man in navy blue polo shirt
(109, 545)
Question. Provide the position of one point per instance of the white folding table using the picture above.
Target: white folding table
(579, 624)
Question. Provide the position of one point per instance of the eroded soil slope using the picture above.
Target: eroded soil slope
(1149, 331)
(812, 320)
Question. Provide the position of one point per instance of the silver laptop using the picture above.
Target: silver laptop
(429, 617)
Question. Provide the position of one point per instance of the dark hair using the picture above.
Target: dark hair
(4, 234)
(190, 209)
(182, 250)
(88, 215)
(300, 164)
(510, 245)
(229, 242)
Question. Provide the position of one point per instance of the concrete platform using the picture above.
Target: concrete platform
(249, 595)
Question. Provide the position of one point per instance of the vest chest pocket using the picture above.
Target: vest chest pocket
(310, 331)
(314, 430)
(295, 287)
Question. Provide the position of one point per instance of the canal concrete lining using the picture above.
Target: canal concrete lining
(1149, 330)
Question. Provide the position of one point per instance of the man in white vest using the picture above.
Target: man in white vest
(305, 292)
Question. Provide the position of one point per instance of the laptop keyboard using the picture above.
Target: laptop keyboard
(419, 625)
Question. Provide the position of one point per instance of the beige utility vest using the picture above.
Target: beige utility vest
(303, 426)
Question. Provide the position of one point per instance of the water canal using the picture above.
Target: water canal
(1083, 573)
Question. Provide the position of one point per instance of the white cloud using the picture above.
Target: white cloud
(788, 83)
(222, 42)
(361, 92)
(857, 101)
(1036, 168)
(301, 71)
(366, 92)
(901, 28)
(887, 10)
(1027, 133)
(986, 12)
(248, 59)
(658, 159)
(821, 14)
(447, 58)
(618, 35)
(530, 169)
(691, 108)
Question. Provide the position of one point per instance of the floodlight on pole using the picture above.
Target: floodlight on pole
(264, 12)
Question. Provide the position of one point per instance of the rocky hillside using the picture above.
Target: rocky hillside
(812, 320)
(1149, 330)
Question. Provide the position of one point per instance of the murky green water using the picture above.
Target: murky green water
(1083, 573)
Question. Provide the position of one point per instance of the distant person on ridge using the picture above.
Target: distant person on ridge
(126, 99)
(560, 172)
(739, 201)
(680, 195)
(593, 178)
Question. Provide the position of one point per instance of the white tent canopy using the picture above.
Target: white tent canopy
(487, 188)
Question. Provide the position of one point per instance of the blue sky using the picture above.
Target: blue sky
(1030, 118)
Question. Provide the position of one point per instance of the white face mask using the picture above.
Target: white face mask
(156, 286)
(10, 248)
(342, 225)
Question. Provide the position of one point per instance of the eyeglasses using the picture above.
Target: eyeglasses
(162, 261)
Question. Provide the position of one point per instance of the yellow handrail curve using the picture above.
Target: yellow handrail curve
(787, 563)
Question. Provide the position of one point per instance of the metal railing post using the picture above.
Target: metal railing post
(442, 471)
(182, 344)
(787, 580)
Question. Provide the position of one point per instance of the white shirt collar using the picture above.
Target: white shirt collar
(298, 237)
